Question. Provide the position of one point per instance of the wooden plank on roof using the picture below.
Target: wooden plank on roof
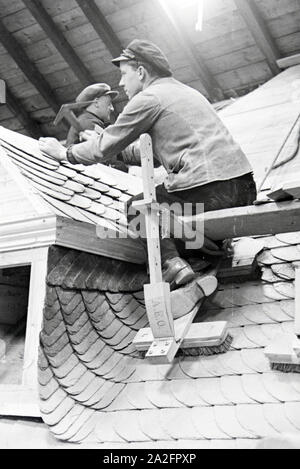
(59, 40)
(272, 218)
(210, 84)
(289, 61)
(2, 92)
(101, 26)
(260, 32)
(19, 55)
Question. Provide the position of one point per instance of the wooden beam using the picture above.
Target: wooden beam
(2, 92)
(19, 55)
(59, 41)
(101, 26)
(272, 218)
(22, 115)
(260, 31)
(209, 83)
(287, 62)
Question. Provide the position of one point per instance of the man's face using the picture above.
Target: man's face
(130, 80)
(105, 108)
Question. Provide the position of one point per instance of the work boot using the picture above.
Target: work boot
(177, 272)
(187, 298)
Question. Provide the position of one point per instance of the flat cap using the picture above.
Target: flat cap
(92, 92)
(145, 51)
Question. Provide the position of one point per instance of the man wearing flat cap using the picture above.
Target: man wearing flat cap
(97, 104)
(202, 161)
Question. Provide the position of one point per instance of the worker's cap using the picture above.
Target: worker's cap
(145, 51)
(92, 92)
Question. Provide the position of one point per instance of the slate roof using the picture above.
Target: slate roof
(95, 388)
(94, 194)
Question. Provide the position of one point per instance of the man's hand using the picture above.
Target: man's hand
(51, 147)
(88, 135)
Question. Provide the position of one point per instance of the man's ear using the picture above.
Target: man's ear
(141, 72)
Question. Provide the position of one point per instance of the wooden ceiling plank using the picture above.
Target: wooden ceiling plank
(23, 117)
(19, 55)
(101, 26)
(209, 83)
(260, 31)
(59, 41)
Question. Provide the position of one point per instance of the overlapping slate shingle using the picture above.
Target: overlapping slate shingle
(94, 194)
(95, 387)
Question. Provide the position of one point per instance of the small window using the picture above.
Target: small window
(14, 294)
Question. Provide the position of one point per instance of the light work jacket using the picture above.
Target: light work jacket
(189, 138)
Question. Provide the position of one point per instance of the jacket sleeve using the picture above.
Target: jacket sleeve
(137, 118)
(131, 155)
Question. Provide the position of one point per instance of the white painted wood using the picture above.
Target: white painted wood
(25, 402)
(297, 299)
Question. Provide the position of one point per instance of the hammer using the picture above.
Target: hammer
(66, 112)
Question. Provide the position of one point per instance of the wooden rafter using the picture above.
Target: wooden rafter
(260, 31)
(101, 26)
(208, 81)
(59, 41)
(23, 117)
(19, 55)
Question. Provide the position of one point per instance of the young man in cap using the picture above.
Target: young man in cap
(203, 162)
(98, 109)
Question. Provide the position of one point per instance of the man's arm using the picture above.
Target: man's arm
(137, 118)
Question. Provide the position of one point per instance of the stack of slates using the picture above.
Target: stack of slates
(95, 194)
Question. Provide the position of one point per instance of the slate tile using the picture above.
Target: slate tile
(78, 334)
(267, 258)
(240, 340)
(159, 394)
(178, 423)
(126, 425)
(278, 385)
(45, 374)
(78, 324)
(288, 307)
(53, 349)
(109, 365)
(121, 403)
(276, 417)
(61, 357)
(48, 406)
(63, 425)
(233, 364)
(104, 429)
(102, 388)
(252, 419)
(269, 276)
(287, 254)
(206, 425)
(286, 289)
(109, 332)
(82, 347)
(110, 396)
(292, 412)
(193, 367)
(233, 390)
(284, 271)
(72, 377)
(186, 392)
(93, 352)
(256, 335)
(227, 421)
(81, 384)
(255, 360)
(123, 371)
(276, 312)
(150, 425)
(66, 367)
(136, 396)
(289, 238)
(54, 335)
(48, 390)
(57, 275)
(80, 429)
(210, 391)
(60, 411)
